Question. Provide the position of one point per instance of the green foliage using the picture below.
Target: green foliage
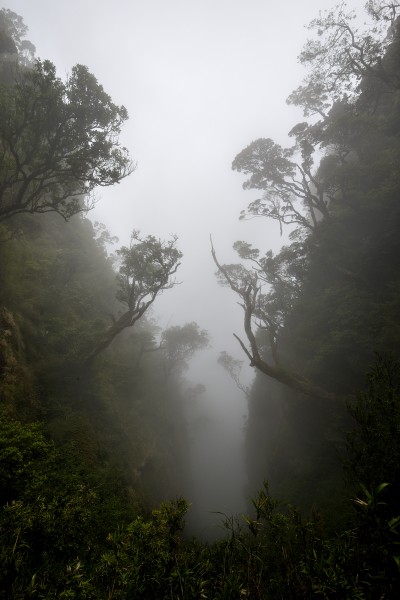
(54, 541)
(342, 54)
(141, 561)
(146, 269)
(60, 285)
(58, 141)
(287, 183)
(12, 43)
(22, 449)
(375, 442)
(54, 509)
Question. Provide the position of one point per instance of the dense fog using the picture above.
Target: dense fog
(216, 421)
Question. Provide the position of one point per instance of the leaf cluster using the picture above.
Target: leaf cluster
(58, 141)
(147, 266)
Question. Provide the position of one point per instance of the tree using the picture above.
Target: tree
(145, 339)
(353, 74)
(58, 142)
(103, 236)
(180, 343)
(344, 54)
(286, 182)
(147, 268)
(12, 32)
(22, 448)
(246, 283)
(343, 60)
(233, 367)
(276, 283)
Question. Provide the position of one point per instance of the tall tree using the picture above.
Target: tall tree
(344, 53)
(262, 311)
(292, 194)
(12, 33)
(58, 142)
(180, 343)
(147, 269)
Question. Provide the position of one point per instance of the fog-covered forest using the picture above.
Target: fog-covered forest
(121, 474)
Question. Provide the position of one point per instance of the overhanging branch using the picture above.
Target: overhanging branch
(296, 382)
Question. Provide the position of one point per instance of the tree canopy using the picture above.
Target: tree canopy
(180, 342)
(292, 194)
(12, 33)
(58, 141)
(344, 53)
(263, 310)
(147, 267)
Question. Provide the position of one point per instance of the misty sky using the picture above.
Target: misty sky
(201, 79)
